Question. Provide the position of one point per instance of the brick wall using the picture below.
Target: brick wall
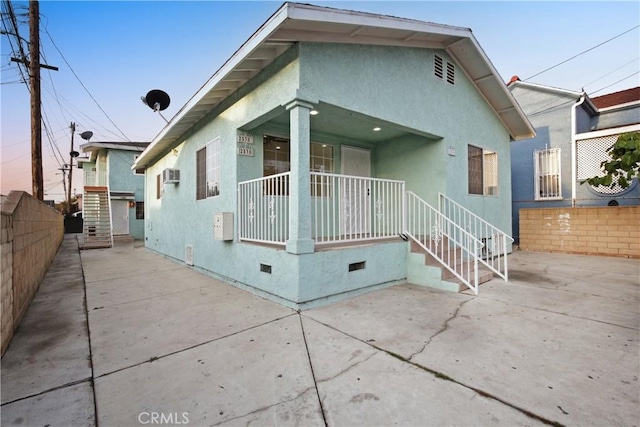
(31, 235)
(609, 230)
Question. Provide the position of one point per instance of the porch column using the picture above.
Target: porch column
(300, 241)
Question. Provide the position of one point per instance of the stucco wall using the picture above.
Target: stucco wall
(610, 231)
(398, 85)
(342, 76)
(31, 235)
(122, 178)
(550, 114)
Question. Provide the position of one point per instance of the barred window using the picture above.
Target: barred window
(547, 166)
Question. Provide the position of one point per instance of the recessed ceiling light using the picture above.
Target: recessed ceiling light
(377, 129)
(313, 112)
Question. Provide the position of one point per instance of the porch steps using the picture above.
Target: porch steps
(425, 270)
(96, 218)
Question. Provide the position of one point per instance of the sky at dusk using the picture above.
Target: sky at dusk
(115, 52)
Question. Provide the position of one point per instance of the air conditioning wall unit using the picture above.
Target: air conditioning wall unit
(171, 176)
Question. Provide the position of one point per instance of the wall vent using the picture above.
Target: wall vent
(438, 70)
(450, 73)
(357, 266)
(265, 268)
(188, 254)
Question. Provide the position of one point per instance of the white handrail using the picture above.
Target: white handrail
(494, 240)
(454, 247)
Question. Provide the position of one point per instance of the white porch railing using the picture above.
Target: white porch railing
(352, 208)
(263, 209)
(343, 208)
(495, 241)
(455, 248)
(95, 179)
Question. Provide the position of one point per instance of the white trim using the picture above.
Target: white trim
(280, 32)
(92, 146)
(619, 106)
(556, 90)
(607, 132)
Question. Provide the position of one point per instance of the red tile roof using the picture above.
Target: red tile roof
(617, 98)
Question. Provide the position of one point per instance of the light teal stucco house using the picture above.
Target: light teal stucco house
(338, 152)
(573, 134)
(113, 193)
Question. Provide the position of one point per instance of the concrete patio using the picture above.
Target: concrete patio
(558, 344)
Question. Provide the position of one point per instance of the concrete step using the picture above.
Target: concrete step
(484, 276)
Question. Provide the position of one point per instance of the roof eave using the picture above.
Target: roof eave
(480, 71)
(489, 84)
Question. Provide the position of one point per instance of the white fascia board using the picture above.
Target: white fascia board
(249, 46)
(502, 88)
(619, 106)
(306, 12)
(608, 132)
(551, 89)
(93, 146)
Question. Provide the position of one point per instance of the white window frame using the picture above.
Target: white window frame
(213, 164)
(552, 158)
(489, 172)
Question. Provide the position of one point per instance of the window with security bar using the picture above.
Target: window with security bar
(482, 171)
(590, 153)
(548, 183)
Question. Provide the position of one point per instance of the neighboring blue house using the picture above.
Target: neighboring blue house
(573, 133)
(302, 167)
(113, 195)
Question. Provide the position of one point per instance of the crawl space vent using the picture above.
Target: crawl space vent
(188, 254)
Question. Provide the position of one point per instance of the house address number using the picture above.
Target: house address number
(245, 150)
(244, 138)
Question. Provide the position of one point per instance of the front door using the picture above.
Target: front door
(120, 216)
(355, 162)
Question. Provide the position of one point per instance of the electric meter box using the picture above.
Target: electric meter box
(223, 226)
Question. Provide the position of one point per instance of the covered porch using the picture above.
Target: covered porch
(319, 185)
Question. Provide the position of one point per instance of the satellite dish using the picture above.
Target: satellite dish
(157, 100)
(87, 134)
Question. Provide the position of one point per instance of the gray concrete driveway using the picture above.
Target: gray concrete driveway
(558, 344)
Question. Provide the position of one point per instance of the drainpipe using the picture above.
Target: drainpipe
(574, 125)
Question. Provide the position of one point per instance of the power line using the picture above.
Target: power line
(16, 33)
(612, 71)
(624, 78)
(583, 52)
(84, 87)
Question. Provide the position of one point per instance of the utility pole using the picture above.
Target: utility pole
(64, 178)
(36, 113)
(34, 65)
(71, 153)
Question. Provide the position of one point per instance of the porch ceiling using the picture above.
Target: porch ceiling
(350, 125)
(295, 22)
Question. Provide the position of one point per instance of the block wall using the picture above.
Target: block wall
(609, 231)
(31, 235)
